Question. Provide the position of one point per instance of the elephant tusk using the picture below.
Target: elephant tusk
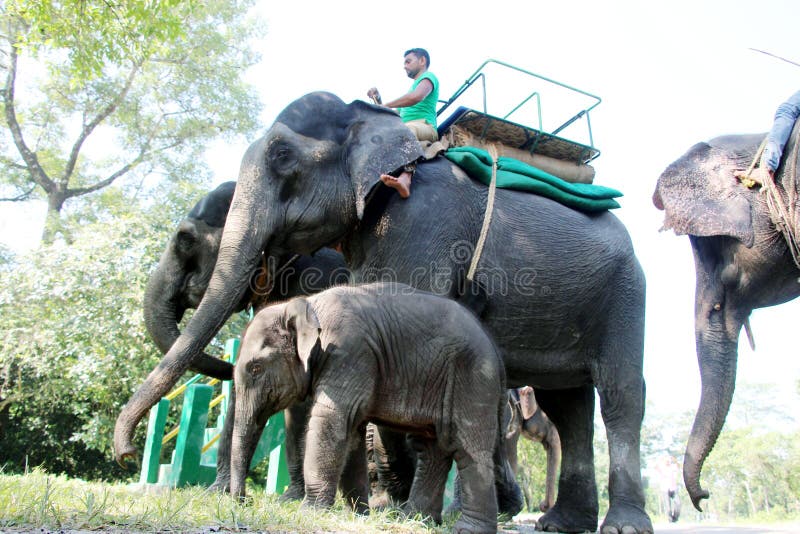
(749, 332)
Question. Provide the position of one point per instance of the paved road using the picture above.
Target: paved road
(700, 528)
(686, 528)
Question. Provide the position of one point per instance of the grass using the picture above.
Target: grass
(42, 501)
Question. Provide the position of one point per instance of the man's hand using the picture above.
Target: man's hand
(374, 95)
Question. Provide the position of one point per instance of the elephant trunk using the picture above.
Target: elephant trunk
(245, 236)
(163, 311)
(717, 356)
(246, 433)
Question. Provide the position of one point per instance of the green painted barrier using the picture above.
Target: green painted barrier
(194, 459)
(191, 465)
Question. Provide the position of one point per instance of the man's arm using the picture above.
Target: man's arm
(414, 97)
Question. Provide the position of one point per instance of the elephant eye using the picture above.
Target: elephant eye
(283, 159)
(256, 368)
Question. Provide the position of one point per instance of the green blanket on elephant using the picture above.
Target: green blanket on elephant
(514, 174)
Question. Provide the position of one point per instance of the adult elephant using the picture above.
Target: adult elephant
(741, 261)
(181, 278)
(565, 300)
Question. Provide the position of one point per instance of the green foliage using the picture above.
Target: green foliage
(73, 346)
(134, 91)
(531, 472)
(97, 33)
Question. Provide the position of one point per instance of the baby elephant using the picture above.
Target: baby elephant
(388, 354)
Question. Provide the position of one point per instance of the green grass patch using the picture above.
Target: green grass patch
(42, 501)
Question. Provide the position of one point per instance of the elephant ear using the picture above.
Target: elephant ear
(377, 143)
(700, 195)
(302, 323)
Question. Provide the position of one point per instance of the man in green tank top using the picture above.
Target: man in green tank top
(417, 108)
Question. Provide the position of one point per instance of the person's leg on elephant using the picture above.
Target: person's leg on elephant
(430, 478)
(402, 182)
(425, 133)
(572, 412)
(785, 117)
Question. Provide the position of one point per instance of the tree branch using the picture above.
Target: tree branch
(89, 127)
(143, 155)
(20, 198)
(37, 173)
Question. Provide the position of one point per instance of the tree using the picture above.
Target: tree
(98, 91)
(73, 346)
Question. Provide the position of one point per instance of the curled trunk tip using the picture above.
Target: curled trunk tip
(692, 481)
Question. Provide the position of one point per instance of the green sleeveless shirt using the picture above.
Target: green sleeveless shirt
(426, 109)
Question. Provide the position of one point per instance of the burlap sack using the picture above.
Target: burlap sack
(571, 172)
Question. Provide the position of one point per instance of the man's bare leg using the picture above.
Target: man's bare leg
(402, 183)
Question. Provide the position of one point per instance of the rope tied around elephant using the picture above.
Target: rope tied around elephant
(782, 205)
(487, 216)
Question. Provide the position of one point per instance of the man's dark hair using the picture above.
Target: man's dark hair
(420, 52)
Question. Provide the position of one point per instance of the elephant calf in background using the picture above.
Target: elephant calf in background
(181, 278)
(383, 353)
(528, 420)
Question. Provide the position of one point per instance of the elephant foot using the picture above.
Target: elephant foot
(466, 525)
(561, 519)
(626, 519)
(380, 501)
(295, 492)
(425, 510)
(510, 501)
(221, 485)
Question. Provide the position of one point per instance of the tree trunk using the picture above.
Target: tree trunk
(53, 225)
(749, 496)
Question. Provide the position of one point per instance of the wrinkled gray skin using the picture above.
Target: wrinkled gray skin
(382, 353)
(741, 263)
(529, 421)
(565, 292)
(180, 280)
(523, 417)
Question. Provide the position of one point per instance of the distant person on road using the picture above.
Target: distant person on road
(785, 117)
(417, 108)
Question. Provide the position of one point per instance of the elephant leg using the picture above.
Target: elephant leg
(295, 420)
(509, 495)
(622, 414)
(552, 447)
(222, 483)
(576, 507)
(427, 491)
(354, 482)
(394, 461)
(479, 499)
(327, 443)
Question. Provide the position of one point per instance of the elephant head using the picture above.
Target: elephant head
(272, 373)
(741, 264)
(181, 277)
(302, 186)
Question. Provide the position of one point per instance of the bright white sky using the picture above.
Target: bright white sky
(670, 74)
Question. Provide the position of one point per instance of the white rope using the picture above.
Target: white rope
(781, 216)
(487, 216)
